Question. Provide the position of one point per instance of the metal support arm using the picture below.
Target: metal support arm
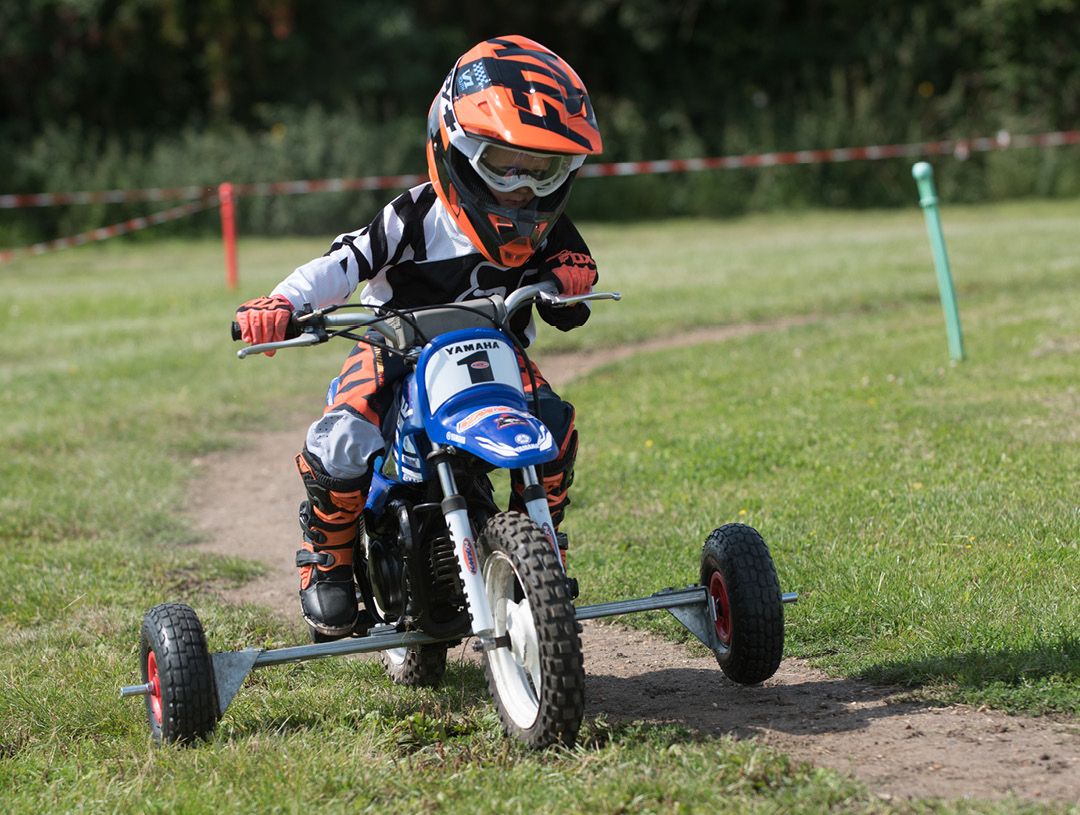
(690, 606)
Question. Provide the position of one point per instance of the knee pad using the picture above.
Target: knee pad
(345, 445)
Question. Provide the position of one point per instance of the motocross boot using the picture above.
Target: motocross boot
(330, 523)
(564, 544)
(557, 477)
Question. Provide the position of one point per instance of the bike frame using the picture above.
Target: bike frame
(465, 397)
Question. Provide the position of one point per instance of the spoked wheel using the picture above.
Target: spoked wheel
(182, 703)
(744, 593)
(535, 672)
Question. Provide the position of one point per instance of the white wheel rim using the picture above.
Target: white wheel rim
(516, 669)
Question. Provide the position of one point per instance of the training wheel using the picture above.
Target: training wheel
(181, 699)
(744, 598)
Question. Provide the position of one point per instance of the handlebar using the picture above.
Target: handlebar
(310, 328)
(298, 323)
(526, 294)
(547, 293)
(292, 330)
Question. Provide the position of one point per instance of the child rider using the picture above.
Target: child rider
(506, 135)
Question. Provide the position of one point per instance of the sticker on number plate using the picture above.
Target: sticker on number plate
(478, 416)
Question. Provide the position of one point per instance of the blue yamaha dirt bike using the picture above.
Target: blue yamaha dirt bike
(437, 560)
(437, 555)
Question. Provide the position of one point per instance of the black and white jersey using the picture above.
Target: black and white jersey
(413, 254)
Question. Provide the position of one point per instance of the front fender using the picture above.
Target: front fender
(502, 435)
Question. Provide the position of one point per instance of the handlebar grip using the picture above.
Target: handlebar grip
(292, 330)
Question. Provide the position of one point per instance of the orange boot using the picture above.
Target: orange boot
(330, 521)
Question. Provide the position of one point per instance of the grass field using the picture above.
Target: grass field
(926, 512)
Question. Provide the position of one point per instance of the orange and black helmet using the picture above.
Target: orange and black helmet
(510, 114)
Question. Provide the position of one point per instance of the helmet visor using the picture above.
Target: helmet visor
(505, 169)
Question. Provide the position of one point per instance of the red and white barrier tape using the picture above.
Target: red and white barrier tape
(374, 182)
(54, 199)
(960, 148)
(112, 231)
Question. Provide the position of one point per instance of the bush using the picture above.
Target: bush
(310, 143)
(290, 145)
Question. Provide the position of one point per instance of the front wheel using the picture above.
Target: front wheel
(182, 703)
(535, 669)
(744, 592)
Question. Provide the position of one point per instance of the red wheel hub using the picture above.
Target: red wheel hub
(722, 605)
(155, 686)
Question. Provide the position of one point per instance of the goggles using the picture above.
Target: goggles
(505, 169)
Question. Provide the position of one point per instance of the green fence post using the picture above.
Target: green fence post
(924, 179)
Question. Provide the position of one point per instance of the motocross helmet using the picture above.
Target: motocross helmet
(510, 114)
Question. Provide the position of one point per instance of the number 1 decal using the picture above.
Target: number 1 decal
(479, 367)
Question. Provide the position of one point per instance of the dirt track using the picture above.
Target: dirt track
(901, 749)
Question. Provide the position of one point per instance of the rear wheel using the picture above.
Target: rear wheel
(744, 593)
(415, 665)
(535, 672)
(182, 703)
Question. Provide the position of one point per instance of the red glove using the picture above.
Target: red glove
(574, 272)
(264, 319)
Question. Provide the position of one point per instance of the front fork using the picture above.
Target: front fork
(536, 505)
(455, 511)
